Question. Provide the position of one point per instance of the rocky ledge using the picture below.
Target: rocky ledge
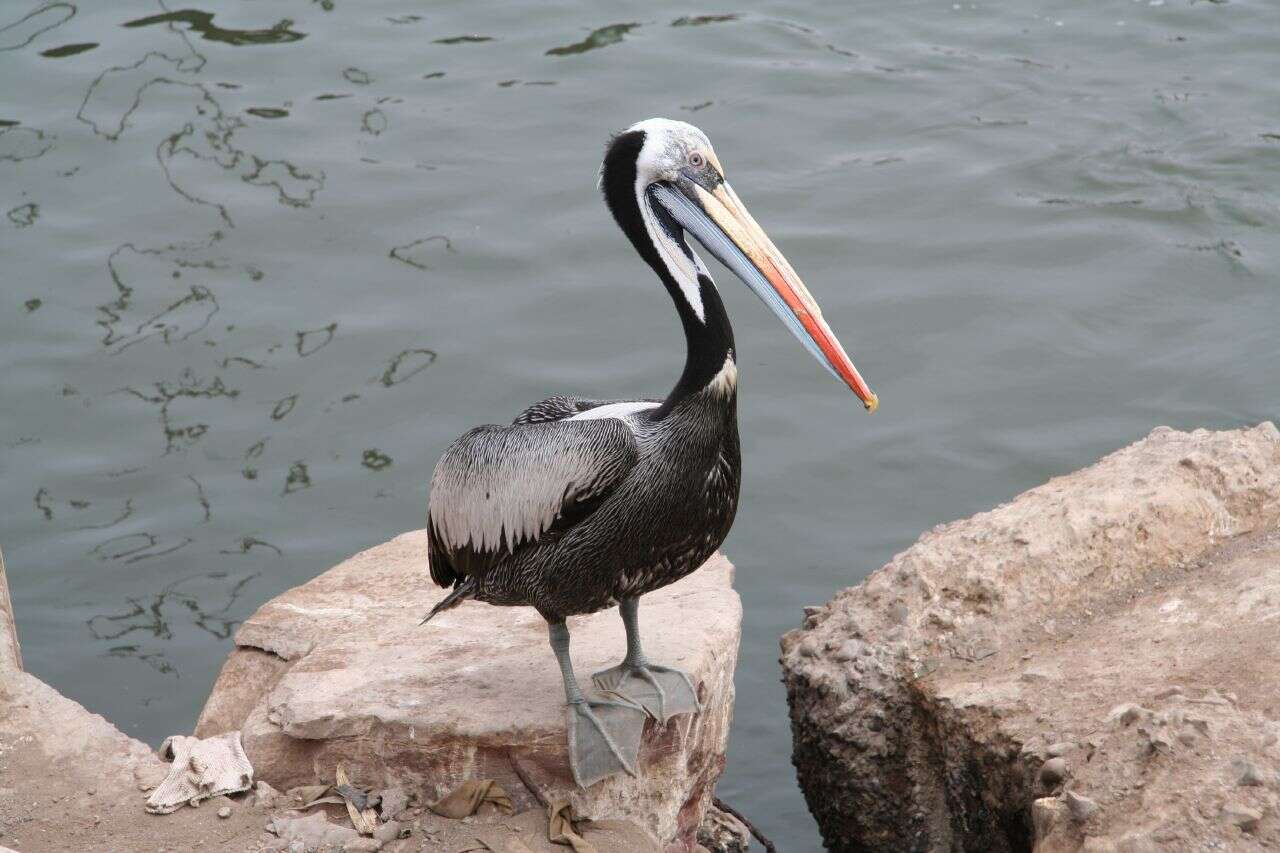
(71, 781)
(338, 670)
(1092, 666)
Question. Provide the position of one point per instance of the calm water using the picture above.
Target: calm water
(262, 262)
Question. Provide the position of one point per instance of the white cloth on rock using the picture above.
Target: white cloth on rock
(202, 768)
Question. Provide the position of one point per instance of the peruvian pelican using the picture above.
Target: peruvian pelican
(582, 504)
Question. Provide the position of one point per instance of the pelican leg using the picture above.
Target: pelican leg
(662, 691)
(604, 735)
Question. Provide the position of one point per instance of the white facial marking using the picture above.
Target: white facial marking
(667, 145)
(683, 269)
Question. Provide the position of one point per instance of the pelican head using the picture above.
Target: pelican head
(679, 187)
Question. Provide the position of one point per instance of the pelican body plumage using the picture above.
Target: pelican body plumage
(579, 505)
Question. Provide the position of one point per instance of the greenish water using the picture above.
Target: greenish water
(261, 262)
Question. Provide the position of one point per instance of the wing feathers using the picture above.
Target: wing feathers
(497, 488)
(563, 408)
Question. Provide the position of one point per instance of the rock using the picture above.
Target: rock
(721, 832)
(392, 801)
(10, 652)
(244, 677)
(1131, 842)
(357, 680)
(389, 831)
(1127, 714)
(1242, 816)
(1059, 749)
(851, 650)
(1040, 673)
(149, 776)
(1081, 807)
(361, 845)
(265, 796)
(224, 812)
(313, 832)
(1248, 774)
(1119, 580)
(1053, 772)
(1047, 814)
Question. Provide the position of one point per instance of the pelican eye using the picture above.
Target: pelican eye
(696, 160)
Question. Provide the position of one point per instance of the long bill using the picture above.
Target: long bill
(720, 222)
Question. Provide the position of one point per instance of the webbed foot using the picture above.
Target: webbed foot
(662, 691)
(604, 739)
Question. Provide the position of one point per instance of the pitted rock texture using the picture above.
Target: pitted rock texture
(339, 670)
(1092, 666)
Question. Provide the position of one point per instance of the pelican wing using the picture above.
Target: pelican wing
(499, 488)
(561, 407)
(554, 409)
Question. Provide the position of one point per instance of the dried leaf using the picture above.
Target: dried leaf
(308, 793)
(560, 828)
(365, 821)
(321, 801)
(467, 798)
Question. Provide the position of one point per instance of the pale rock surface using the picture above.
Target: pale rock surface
(1122, 621)
(10, 653)
(71, 781)
(339, 670)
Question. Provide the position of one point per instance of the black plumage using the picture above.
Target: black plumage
(651, 525)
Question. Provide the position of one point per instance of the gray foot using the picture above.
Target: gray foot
(604, 739)
(661, 690)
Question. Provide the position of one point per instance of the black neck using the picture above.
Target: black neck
(709, 341)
